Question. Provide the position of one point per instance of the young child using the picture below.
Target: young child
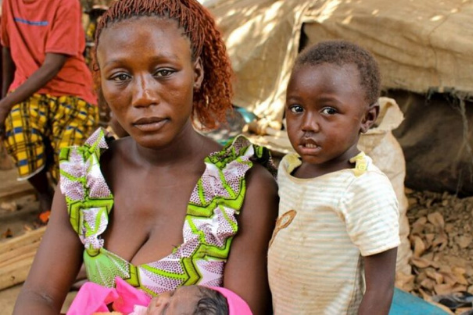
(51, 103)
(126, 299)
(334, 247)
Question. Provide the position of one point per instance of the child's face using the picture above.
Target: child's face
(148, 76)
(326, 110)
(183, 300)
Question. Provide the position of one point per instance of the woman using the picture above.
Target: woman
(166, 195)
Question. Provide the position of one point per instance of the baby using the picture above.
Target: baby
(126, 299)
(334, 247)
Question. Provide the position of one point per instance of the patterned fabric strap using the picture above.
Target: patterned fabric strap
(88, 198)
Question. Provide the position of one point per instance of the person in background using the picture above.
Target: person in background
(48, 101)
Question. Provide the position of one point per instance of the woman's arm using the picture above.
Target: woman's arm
(246, 269)
(55, 266)
(380, 272)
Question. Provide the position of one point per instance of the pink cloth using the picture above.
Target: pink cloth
(93, 298)
(236, 305)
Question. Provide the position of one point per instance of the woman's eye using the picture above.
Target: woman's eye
(329, 111)
(120, 77)
(164, 72)
(296, 109)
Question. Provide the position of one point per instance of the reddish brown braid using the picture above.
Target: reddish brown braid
(213, 99)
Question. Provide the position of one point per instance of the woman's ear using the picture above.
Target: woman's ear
(198, 73)
(371, 114)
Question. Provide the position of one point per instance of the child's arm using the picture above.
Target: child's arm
(49, 69)
(379, 274)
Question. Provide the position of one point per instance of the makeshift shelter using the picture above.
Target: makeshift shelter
(421, 47)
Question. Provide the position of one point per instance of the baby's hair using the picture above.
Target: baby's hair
(211, 303)
(341, 53)
(213, 99)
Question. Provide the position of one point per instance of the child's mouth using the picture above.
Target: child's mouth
(309, 145)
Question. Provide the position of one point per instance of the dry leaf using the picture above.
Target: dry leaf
(436, 219)
(464, 241)
(420, 262)
(428, 239)
(418, 226)
(429, 228)
(431, 273)
(449, 227)
(442, 289)
(449, 278)
(428, 284)
(427, 296)
(441, 240)
(459, 288)
(404, 282)
(419, 246)
(412, 201)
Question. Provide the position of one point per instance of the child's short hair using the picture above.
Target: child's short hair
(211, 303)
(341, 52)
(213, 99)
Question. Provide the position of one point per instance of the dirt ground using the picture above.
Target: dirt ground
(441, 237)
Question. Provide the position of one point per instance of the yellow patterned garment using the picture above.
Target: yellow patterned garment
(208, 230)
(59, 121)
(326, 225)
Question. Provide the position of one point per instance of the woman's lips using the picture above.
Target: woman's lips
(150, 124)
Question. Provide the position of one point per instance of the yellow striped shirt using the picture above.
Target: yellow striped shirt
(315, 258)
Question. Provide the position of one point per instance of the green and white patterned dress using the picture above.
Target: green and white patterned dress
(209, 226)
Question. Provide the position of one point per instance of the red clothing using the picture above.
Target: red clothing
(32, 28)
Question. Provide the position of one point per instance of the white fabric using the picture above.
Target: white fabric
(315, 263)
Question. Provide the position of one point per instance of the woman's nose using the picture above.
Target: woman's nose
(144, 93)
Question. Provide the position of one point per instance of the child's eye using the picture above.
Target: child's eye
(296, 108)
(329, 111)
(164, 72)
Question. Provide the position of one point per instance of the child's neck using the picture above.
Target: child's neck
(308, 170)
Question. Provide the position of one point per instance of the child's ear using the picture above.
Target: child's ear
(198, 73)
(370, 117)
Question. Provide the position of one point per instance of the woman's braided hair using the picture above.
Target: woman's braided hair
(213, 99)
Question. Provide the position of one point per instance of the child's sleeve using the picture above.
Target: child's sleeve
(371, 213)
(5, 40)
(66, 29)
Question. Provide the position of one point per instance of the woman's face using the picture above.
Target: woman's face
(148, 77)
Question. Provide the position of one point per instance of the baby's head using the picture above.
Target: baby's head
(331, 98)
(177, 40)
(189, 300)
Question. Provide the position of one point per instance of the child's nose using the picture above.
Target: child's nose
(310, 123)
